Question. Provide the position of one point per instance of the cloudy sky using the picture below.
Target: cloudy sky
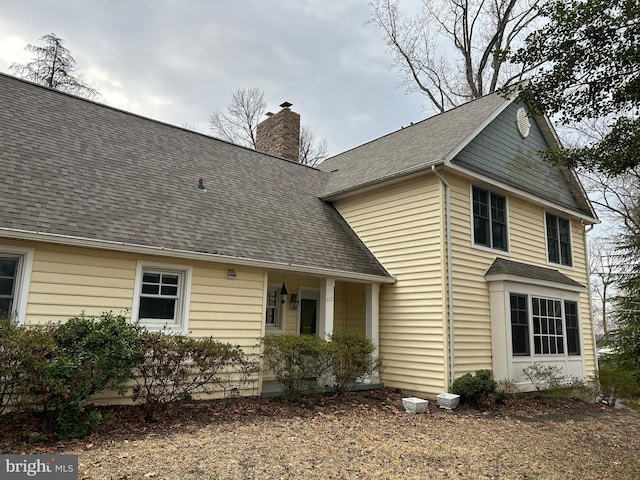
(177, 60)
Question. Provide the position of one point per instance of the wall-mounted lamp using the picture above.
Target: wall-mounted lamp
(294, 302)
(283, 293)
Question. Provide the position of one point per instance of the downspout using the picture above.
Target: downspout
(447, 207)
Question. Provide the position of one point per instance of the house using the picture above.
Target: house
(449, 242)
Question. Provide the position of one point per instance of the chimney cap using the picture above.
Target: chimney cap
(269, 114)
(286, 104)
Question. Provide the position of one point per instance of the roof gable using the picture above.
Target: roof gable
(500, 152)
(75, 168)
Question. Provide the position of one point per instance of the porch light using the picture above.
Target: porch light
(294, 302)
(283, 293)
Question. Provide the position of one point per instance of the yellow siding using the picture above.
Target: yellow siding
(402, 225)
(527, 241)
(66, 281)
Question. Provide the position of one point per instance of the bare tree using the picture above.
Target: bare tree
(53, 66)
(238, 122)
(312, 151)
(456, 50)
(605, 268)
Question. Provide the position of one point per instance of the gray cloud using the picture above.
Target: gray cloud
(177, 61)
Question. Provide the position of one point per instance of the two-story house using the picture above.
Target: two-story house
(449, 242)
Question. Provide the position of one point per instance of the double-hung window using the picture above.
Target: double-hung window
(15, 269)
(273, 310)
(162, 297)
(489, 219)
(9, 279)
(558, 239)
(549, 324)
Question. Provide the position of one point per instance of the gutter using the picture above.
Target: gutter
(70, 240)
(447, 202)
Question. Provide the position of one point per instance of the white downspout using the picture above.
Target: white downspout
(447, 203)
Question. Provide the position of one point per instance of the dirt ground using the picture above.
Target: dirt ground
(365, 435)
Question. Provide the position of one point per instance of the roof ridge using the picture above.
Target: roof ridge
(419, 122)
(146, 118)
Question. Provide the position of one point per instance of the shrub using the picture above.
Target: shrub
(174, 368)
(23, 352)
(544, 377)
(297, 362)
(89, 356)
(475, 389)
(351, 357)
(616, 383)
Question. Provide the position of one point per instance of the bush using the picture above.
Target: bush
(616, 383)
(23, 352)
(90, 356)
(475, 389)
(297, 362)
(351, 357)
(544, 377)
(174, 368)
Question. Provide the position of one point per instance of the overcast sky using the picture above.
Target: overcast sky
(177, 61)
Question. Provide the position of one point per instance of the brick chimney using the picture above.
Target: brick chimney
(279, 134)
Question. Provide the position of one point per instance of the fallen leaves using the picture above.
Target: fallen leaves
(359, 436)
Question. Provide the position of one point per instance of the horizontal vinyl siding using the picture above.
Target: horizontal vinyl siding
(355, 319)
(228, 310)
(527, 243)
(68, 281)
(402, 225)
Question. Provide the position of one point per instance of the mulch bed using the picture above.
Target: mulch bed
(18, 434)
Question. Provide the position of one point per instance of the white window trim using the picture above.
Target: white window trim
(183, 317)
(548, 294)
(546, 241)
(506, 252)
(280, 310)
(23, 281)
(500, 291)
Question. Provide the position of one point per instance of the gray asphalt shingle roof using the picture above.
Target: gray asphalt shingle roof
(76, 168)
(502, 266)
(414, 147)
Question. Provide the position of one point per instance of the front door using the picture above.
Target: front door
(308, 317)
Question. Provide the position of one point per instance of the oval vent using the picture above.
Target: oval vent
(522, 119)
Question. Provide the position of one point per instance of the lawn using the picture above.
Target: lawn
(359, 436)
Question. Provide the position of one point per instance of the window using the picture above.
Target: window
(273, 315)
(162, 300)
(519, 325)
(8, 281)
(489, 219)
(558, 240)
(547, 326)
(573, 331)
(551, 321)
(15, 271)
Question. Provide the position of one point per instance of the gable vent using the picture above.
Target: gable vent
(522, 120)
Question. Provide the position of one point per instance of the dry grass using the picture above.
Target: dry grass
(361, 436)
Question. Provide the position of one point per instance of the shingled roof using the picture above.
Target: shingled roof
(409, 149)
(75, 168)
(502, 266)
